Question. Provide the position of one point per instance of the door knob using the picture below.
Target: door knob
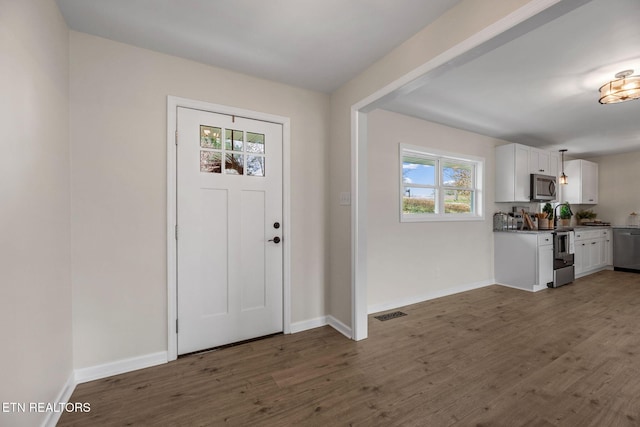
(275, 240)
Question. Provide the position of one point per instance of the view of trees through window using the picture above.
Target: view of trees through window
(241, 157)
(434, 185)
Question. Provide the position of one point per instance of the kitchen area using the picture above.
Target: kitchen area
(546, 232)
(538, 94)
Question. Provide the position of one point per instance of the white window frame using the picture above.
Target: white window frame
(440, 156)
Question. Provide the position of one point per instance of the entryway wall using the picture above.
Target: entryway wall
(35, 275)
(118, 107)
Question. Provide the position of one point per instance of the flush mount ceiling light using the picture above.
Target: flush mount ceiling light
(563, 177)
(625, 88)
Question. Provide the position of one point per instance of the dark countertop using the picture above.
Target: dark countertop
(577, 227)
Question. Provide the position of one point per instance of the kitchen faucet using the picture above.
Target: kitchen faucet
(555, 213)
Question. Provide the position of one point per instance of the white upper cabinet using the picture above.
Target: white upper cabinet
(554, 164)
(583, 182)
(514, 165)
(513, 183)
(539, 161)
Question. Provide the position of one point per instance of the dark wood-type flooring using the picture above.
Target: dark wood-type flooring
(495, 356)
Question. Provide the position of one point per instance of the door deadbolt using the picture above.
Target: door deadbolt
(275, 240)
(276, 225)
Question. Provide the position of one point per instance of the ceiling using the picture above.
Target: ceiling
(535, 86)
(315, 44)
(541, 89)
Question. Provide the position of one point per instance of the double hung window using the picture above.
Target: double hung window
(439, 186)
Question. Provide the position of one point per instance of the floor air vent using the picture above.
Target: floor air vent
(390, 316)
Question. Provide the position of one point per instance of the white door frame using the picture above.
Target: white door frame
(173, 102)
(485, 40)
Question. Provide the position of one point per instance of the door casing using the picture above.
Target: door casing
(173, 103)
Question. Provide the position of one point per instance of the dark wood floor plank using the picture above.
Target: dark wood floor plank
(494, 356)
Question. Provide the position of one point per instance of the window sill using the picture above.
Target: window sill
(440, 218)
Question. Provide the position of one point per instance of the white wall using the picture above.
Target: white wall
(461, 22)
(118, 104)
(618, 195)
(35, 283)
(410, 260)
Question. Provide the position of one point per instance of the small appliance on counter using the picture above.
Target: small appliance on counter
(503, 222)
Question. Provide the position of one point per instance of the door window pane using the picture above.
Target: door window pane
(210, 137)
(233, 140)
(234, 164)
(255, 165)
(210, 161)
(255, 142)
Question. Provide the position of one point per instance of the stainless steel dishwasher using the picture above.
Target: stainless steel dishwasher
(626, 249)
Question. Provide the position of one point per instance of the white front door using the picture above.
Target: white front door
(229, 214)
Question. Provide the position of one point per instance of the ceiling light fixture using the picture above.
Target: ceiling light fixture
(625, 88)
(563, 177)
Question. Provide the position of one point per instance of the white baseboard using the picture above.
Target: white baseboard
(305, 325)
(506, 285)
(339, 326)
(120, 367)
(321, 321)
(52, 418)
(402, 302)
(586, 273)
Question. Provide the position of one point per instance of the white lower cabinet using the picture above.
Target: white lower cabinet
(545, 264)
(579, 260)
(593, 250)
(608, 248)
(523, 260)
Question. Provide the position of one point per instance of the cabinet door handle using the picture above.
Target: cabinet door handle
(593, 243)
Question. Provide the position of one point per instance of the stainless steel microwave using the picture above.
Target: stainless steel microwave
(543, 188)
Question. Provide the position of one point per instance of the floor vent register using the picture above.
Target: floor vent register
(389, 316)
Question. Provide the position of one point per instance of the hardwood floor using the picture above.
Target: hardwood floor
(495, 356)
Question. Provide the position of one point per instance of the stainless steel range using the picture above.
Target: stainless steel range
(563, 257)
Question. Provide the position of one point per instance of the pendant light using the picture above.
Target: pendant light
(563, 177)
